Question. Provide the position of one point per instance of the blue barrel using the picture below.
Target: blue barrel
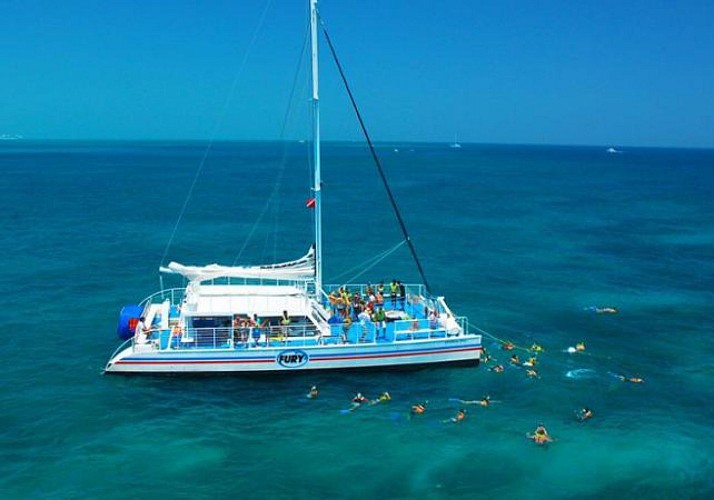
(128, 318)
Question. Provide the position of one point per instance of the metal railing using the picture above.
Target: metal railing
(175, 296)
(229, 337)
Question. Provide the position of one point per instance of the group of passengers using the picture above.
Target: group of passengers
(346, 304)
(246, 327)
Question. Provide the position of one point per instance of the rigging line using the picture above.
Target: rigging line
(371, 262)
(375, 158)
(283, 161)
(387, 254)
(219, 124)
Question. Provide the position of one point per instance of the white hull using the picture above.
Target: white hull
(464, 349)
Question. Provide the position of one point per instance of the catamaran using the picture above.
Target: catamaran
(280, 317)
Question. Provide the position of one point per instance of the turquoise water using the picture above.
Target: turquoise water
(520, 239)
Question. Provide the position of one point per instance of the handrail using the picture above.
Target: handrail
(162, 294)
(227, 337)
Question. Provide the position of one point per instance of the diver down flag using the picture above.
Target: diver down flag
(310, 203)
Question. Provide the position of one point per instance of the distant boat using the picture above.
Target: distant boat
(455, 144)
(612, 151)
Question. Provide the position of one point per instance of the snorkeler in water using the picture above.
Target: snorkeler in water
(484, 401)
(531, 362)
(515, 360)
(497, 369)
(537, 348)
(634, 380)
(382, 398)
(508, 346)
(602, 310)
(584, 414)
(540, 436)
(419, 408)
(358, 401)
(579, 347)
(532, 373)
(458, 418)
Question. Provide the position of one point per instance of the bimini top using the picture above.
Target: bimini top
(302, 269)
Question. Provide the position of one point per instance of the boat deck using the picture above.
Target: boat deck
(405, 321)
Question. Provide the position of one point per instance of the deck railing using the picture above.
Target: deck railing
(175, 296)
(228, 337)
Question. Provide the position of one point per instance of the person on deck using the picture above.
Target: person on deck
(402, 295)
(143, 333)
(393, 290)
(379, 319)
(346, 325)
(433, 319)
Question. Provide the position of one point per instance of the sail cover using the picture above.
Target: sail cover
(302, 269)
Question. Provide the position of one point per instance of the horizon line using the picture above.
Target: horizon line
(15, 140)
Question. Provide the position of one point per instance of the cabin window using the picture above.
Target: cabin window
(210, 322)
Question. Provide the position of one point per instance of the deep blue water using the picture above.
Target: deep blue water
(519, 238)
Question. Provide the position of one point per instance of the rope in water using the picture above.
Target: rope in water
(504, 342)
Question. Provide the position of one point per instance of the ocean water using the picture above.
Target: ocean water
(522, 239)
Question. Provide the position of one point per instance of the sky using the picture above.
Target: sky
(635, 73)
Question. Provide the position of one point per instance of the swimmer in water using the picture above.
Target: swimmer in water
(579, 347)
(358, 401)
(532, 373)
(419, 408)
(515, 359)
(313, 392)
(540, 436)
(531, 362)
(584, 414)
(537, 348)
(484, 401)
(508, 346)
(634, 380)
(382, 398)
(459, 417)
(606, 310)
(602, 310)
(497, 368)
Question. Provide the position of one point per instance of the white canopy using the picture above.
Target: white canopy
(302, 269)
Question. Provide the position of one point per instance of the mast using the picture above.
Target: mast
(316, 146)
